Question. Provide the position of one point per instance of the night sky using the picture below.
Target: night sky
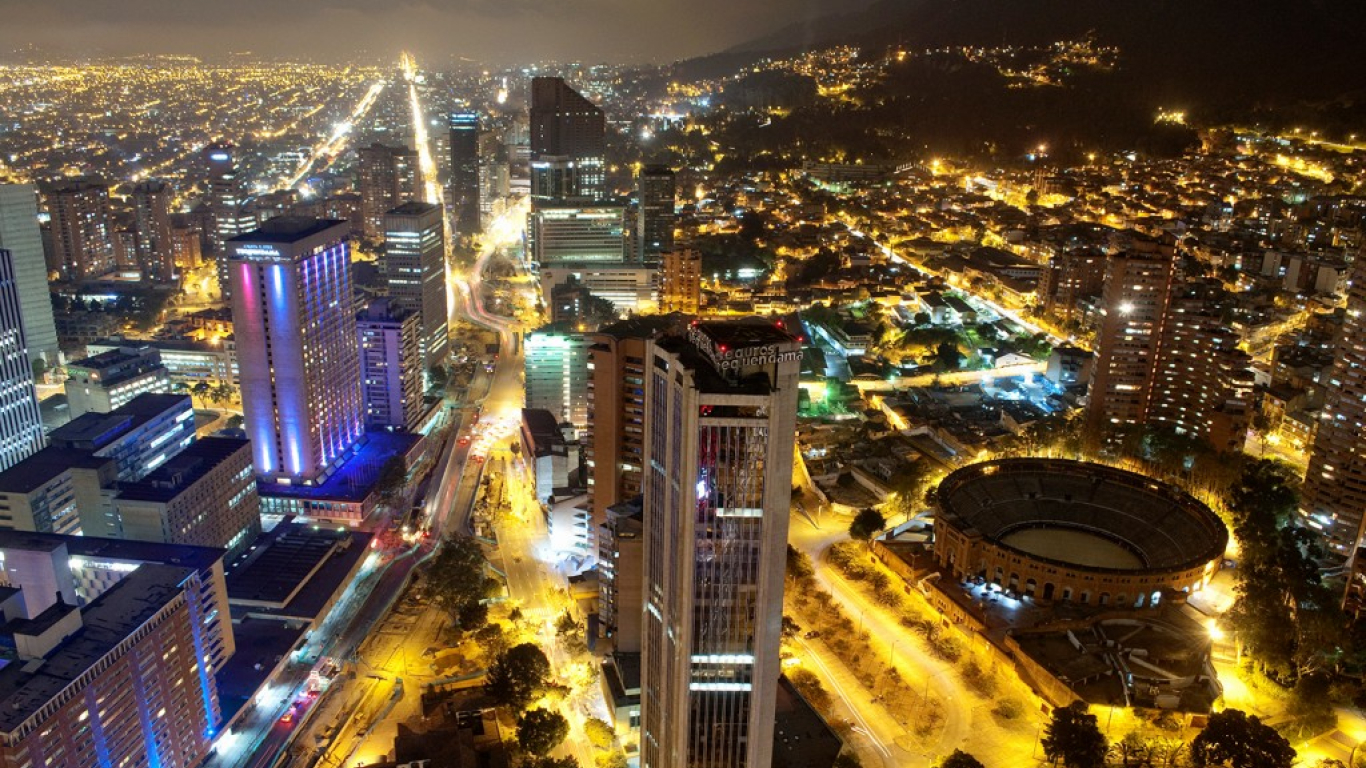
(492, 31)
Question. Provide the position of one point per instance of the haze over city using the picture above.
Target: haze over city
(605, 384)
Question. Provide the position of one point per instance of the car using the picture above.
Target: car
(464, 440)
(812, 635)
(288, 716)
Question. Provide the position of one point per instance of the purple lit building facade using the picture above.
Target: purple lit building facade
(296, 346)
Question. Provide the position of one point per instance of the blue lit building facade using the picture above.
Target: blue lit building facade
(296, 346)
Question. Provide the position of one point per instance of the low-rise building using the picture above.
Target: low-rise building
(139, 435)
(108, 380)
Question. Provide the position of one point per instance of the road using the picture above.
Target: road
(968, 723)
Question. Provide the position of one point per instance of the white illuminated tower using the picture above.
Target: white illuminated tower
(297, 347)
(720, 415)
(21, 423)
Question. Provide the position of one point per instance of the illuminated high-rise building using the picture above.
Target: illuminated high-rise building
(22, 237)
(655, 190)
(570, 233)
(680, 280)
(1333, 498)
(557, 373)
(720, 422)
(570, 128)
(297, 350)
(227, 207)
(21, 423)
(465, 171)
(155, 243)
(389, 178)
(82, 241)
(391, 366)
(414, 269)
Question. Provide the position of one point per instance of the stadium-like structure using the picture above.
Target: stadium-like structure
(1060, 530)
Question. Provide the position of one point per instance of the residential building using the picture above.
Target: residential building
(82, 239)
(59, 490)
(23, 238)
(204, 496)
(655, 190)
(557, 372)
(296, 346)
(1070, 277)
(152, 222)
(566, 125)
(414, 268)
(389, 177)
(391, 366)
(621, 577)
(680, 280)
(465, 164)
(720, 422)
(226, 204)
(1333, 497)
(21, 422)
(108, 380)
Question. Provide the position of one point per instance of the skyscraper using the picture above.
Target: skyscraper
(21, 423)
(557, 373)
(391, 366)
(21, 236)
(388, 178)
(1333, 498)
(414, 269)
(227, 207)
(570, 233)
(720, 416)
(680, 280)
(297, 347)
(155, 244)
(82, 242)
(465, 171)
(566, 126)
(1133, 304)
(655, 191)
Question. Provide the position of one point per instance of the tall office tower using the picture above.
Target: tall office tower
(720, 422)
(655, 189)
(391, 366)
(562, 233)
(228, 216)
(1133, 304)
(389, 178)
(414, 269)
(465, 171)
(297, 355)
(680, 280)
(21, 236)
(155, 243)
(82, 241)
(1333, 497)
(21, 423)
(566, 125)
(123, 680)
(557, 372)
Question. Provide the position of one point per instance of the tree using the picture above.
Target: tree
(393, 475)
(1234, 739)
(961, 759)
(599, 732)
(492, 639)
(846, 760)
(798, 565)
(224, 392)
(565, 624)
(201, 390)
(541, 730)
(1073, 737)
(948, 356)
(456, 577)
(516, 676)
(550, 762)
(866, 523)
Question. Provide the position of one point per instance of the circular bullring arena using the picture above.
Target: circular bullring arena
(1060, 530)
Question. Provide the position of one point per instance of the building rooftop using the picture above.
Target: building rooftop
(801, 739)
(94, 431)
(198, 558)
(295, 570)
(288, 229)
(412, 208)
(183, 470)
(745, 333)
(354, 479)
(645, 326)
(113, 358)
(107, 621)
(40, 468)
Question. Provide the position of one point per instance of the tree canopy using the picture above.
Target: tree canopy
(1074, 738)
(541, 730)
(866, 524)
(961, 759)
(1235, 740)
(515, 677)
(457, 580)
